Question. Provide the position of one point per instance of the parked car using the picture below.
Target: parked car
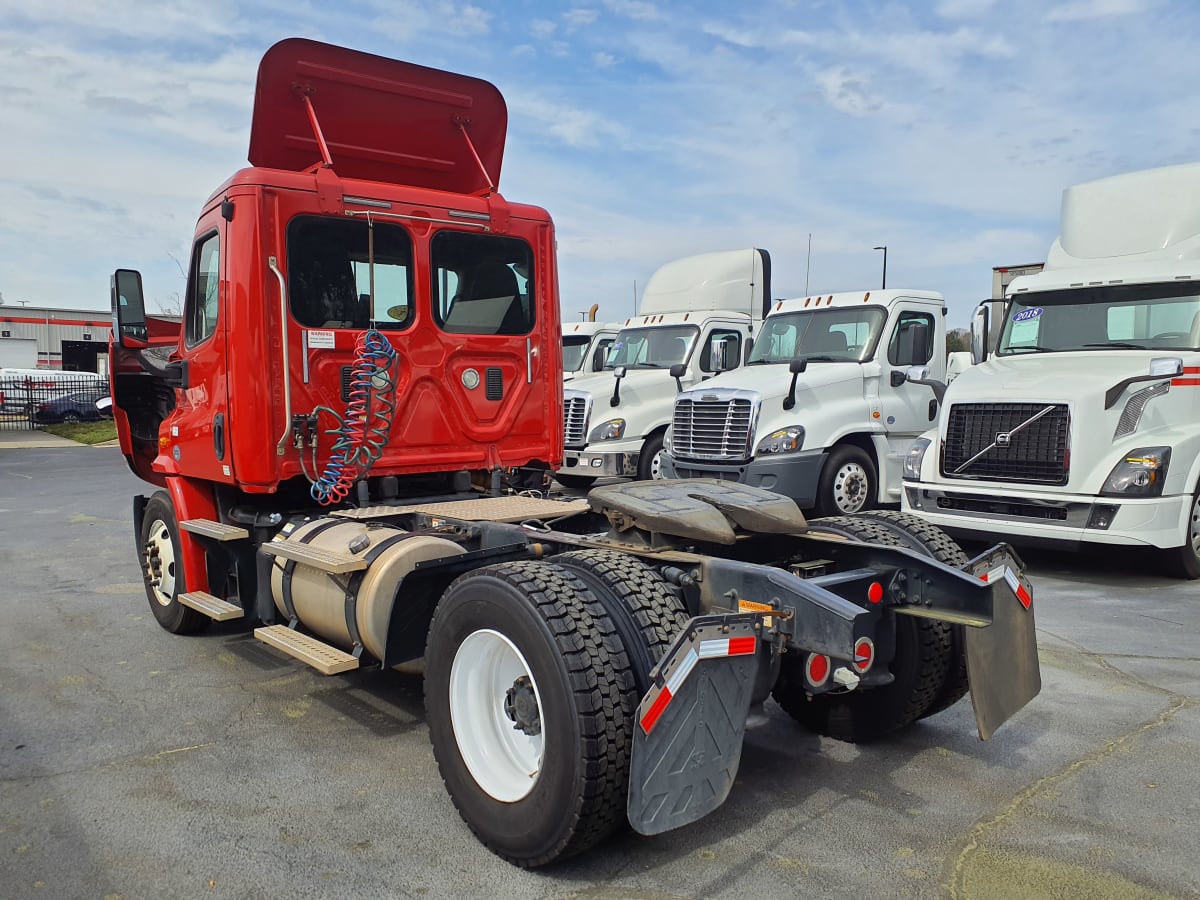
(77, 407)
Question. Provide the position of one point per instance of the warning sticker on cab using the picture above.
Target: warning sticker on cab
(321, 339)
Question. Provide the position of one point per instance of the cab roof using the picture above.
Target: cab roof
(382, 119)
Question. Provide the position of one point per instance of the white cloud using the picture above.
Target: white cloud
(963, 9)
(846, 91)
(635, 9)
(602, 60)
(580, 18)
(1080, 10)
(542, 28)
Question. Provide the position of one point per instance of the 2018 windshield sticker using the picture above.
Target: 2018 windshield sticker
(1028, 315)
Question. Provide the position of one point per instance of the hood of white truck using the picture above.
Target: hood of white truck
(772, 381)
(1081, 381)
(646, 401)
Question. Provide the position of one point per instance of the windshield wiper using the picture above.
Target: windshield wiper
(1033, 348)
(1120, 345)
(828, 359)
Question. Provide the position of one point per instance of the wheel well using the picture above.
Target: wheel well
(862, 442)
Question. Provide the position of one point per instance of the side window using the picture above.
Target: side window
(911, 345)
(733, 349)
(482, 284)
(204, 289)
(349, 273)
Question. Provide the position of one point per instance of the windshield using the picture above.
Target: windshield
(1120, 317)
(841, 334)
(652, 348)
(574, 348)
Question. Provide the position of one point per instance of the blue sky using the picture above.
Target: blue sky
(650, 130)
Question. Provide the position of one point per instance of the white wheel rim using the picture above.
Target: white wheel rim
(1194, 528)
(850, 488)
(159, 542)
(656, 465)
(503, 760)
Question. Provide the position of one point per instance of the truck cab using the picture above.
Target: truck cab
(585, 347)
(698, 316)
(823, 410)
(1083, 426)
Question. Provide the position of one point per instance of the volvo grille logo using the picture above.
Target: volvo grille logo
(1003, 439)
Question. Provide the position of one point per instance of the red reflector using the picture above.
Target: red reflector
(875, 592)
(817, 669)
(740, 646)
(655, 710)
(864, 654)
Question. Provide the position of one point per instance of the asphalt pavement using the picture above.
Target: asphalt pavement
(137, 764)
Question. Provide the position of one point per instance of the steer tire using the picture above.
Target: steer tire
(647, 610)
(932, 541)
(923, 648)
(848, 482)
(574, 793)
(161, 556)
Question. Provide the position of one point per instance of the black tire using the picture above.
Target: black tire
(918, 667)
(584, 687)
(848, 482)
(932, 541)
(162, 568)
(1184, 562)
(647, 610)
(649, 460)
(577, 482)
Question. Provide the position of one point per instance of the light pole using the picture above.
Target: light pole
(884, 249)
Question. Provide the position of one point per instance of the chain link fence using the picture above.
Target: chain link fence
(28, 402)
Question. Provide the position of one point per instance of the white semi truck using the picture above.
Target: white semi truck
(585, 346)
(697, 317)
(822, 411)
(1084, 425)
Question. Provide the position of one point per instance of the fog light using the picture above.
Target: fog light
(914, 498)
(1102, 516)
(597, 463)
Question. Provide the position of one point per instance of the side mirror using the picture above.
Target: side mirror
(749, 347)
(920, 375)
(618, 374)
(979, 334)
(129, 308)
(799, 365)
(598, 358)
(1166, 366)
(677, 372)
(716, 355)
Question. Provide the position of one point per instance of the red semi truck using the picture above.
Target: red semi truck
(370, 343)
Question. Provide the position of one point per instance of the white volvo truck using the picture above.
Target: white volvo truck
(1084, 425)
(822, 411)
(697, 316)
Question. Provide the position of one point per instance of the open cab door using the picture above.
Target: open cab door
(141, 375)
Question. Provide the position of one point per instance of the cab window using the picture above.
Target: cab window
(204, 288)
(482, 284)
(349, 273)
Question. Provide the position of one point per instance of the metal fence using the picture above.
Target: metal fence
(33, 401)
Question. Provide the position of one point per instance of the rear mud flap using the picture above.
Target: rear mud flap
(687, 742)
(1002, 657)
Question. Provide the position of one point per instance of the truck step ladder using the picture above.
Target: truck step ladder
(308, 555)
(323, 657)
(214, 607)
(218, 531)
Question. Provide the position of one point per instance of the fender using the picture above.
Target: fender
(192, 499)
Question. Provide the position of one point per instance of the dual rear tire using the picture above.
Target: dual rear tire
(533, 675)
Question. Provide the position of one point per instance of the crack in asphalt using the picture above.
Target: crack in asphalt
(953, 882)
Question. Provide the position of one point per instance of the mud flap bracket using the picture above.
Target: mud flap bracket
(687, 740)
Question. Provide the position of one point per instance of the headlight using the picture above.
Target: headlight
(1142, 473)
(914, 458)
(611, 430)
(669, 439)
(785, 440)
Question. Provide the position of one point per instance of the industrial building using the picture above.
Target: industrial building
(46, 337)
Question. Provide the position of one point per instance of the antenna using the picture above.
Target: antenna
(635, 296)
(808, 264)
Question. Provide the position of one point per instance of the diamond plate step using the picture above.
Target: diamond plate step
(325, 560)
(214, 607)
(215, 530)
(324, 658)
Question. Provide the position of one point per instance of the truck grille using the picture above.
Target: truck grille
(712, 426)
(1036, 453)
(577, 408)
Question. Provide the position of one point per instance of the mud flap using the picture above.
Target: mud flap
(687, 741)
(1002, 658)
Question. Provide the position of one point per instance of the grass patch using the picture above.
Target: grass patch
(86, 432)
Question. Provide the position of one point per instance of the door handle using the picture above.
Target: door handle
(219, 435)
